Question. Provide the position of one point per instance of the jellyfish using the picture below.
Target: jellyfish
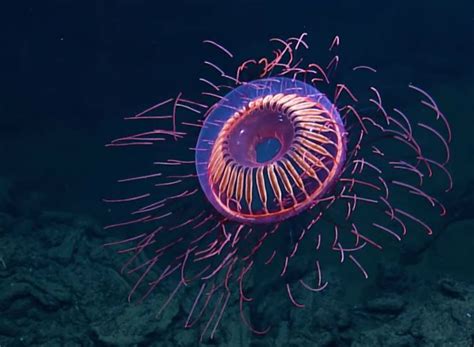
(273, 160)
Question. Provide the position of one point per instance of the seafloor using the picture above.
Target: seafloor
(60, 287)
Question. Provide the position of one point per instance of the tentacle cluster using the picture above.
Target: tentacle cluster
(390, 159)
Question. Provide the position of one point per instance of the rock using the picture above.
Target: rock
(50, 295)
(451, 288)
(137, 323)
(386, 305)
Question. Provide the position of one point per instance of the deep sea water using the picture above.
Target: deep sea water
(69, 71)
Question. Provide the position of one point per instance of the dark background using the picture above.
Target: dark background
(71, 69)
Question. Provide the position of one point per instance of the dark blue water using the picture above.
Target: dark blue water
(71, 70)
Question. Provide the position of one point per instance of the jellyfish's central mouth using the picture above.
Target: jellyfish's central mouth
(267, 149)
(260, 137)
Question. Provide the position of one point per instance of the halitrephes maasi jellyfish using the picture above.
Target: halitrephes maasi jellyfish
(274, 163)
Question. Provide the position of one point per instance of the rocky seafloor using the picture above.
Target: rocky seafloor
(60, 287)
